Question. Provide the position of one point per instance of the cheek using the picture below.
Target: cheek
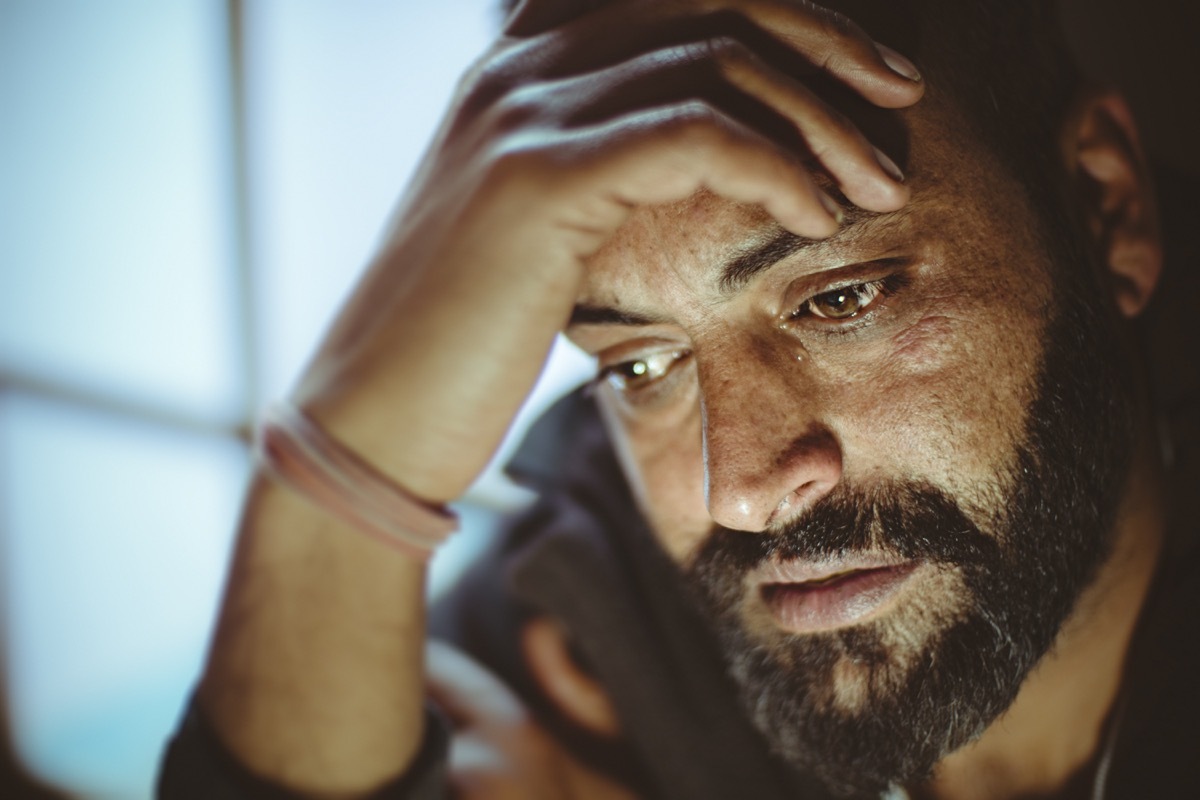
(663, 459)
(949, 400)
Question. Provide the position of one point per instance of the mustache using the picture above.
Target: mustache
(911, 519)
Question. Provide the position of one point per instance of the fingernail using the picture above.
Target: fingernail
(899, 64)
(832, 207)
(889, 166)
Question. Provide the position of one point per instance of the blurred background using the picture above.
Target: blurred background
(188, 188)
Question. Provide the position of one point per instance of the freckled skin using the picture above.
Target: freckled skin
(769, 408)
(933, 389)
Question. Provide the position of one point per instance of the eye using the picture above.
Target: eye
(637, 374)
(846, 302)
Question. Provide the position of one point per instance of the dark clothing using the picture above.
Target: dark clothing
(198, 767)
(583, 556)
(635, 630)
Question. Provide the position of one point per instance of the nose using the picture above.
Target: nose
(768, 455)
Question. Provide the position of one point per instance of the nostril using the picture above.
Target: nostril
(748, 492)
(810, 493)
(786, 504)
(800, 499)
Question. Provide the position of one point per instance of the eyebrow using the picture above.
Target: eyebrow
(584, 314)
(777, 245)
(780, 243)
(742, 268)
(738, 271)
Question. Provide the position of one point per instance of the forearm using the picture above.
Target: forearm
(315, 679)
(315, 674)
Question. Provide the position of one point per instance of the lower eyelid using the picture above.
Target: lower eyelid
(885, 287)
(657, 388)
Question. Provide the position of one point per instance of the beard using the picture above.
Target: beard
(882, 702)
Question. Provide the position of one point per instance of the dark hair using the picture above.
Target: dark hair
(1004, 63)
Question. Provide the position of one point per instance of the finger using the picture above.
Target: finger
(666, 154)
(865, 175)
(824, 40)
(840, 48)
(466, 691)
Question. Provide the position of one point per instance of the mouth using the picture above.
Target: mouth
(834, 598)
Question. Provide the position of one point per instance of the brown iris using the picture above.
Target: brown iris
(837, 304)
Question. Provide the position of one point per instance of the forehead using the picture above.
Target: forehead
(961, 196)
(696, 234)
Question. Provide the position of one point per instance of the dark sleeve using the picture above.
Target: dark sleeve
(197, 766)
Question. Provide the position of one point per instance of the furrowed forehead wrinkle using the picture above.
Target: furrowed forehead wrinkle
(762, 250)
(775, 244)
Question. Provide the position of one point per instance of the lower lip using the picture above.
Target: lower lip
(809, 608)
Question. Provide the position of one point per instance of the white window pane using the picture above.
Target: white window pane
(343, 100)
(477, 528)
(117, 537)
(115, 265)
(567, 367)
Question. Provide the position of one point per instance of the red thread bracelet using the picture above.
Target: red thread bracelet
(297, 452)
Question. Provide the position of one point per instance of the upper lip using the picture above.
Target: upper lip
(792, 570)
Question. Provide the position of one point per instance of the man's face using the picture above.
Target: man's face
(882, 467)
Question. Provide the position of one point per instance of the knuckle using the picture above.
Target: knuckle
(720, 46)
(483, 84)
(837, 121)
(701, 127)
(500, 71)
(841, 142)
(840, 29)
(730, 55)
(516, 160)
(507, 63)
(821, 150)
(693, 53)
(517, 108)
(695, 118)
(475, 95)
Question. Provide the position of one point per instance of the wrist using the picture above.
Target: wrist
(301, 455)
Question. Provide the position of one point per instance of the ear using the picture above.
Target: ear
(576, 693)
(1104, 156)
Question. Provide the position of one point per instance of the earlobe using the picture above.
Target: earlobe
(1105, 158)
